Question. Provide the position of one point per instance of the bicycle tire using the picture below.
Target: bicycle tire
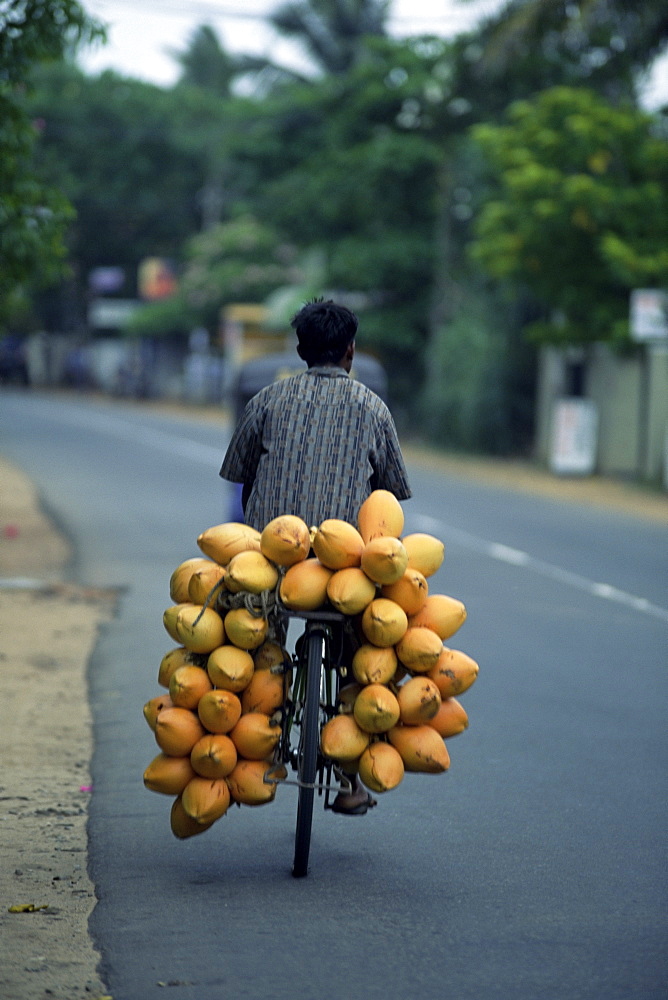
(308, 752)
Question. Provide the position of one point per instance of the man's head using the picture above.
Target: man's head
(325, 334)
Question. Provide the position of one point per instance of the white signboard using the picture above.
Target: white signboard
(111, 314)
(574, 436)
(649, 314)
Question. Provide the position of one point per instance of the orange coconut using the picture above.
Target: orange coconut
(451, 719)
(230, 667)
(421, 748)
(454, 672)
(442, 614)
(177, 730)
(419, 701)
(219, 711)
(380, 515)
(381, 767)
(213, 756)
(168, 775)
(286, 540)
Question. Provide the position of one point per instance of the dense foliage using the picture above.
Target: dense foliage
(33, 215)
(373, 178)
(579, 214)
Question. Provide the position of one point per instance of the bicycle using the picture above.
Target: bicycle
(311, 699)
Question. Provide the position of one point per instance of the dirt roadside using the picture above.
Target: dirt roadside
(48, 630)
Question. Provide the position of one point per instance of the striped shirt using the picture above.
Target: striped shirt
(315, 445)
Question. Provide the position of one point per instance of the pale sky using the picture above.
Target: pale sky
(142, 31)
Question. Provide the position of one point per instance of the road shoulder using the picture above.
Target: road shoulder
(48, 631)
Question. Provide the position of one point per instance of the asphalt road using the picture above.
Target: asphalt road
(536, 868)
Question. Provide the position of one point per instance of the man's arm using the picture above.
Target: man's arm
(390, 472)
(244, 450)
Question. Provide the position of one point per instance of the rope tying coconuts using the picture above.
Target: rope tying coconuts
(218, 728)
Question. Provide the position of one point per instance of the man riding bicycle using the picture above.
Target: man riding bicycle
(316, 444)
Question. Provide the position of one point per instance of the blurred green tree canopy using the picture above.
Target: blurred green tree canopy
(33, 214)
(579, 210)
(245, 171)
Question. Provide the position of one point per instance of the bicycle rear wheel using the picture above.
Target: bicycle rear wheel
(308, 751)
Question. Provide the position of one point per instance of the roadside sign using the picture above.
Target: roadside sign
(649, 314)
(574, 437)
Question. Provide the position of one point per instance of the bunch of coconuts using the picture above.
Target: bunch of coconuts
(219, 724)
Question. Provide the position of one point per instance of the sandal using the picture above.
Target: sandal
(360, 809)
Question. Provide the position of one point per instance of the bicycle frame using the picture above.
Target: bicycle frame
(312, 700)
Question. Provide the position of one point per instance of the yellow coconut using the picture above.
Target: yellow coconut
(171, 661)
(381, 514)
(154, 706)
(451, 719)
(177, 730)
(171, 614)
(442, 614)
(206, 799)
(247, 784)
(384, 559)
(342, 739)
(270, 656)
(454, 672)
(250, 571)
(419, 701)
(187, 685)
(410, 591)
(182, 824)
(380, 767)
(230, 668)
(206, 584)
(421, 748)
(425, 552)
(199, 629)
(419, 649)
(223, 541)
(384, 622)
(304, 586)
(350, 590)
(338, 544)
(376, 709)
(168, 775)
(214, 756)
(244, 629)
(264, 693)
(180, 578)
(286, 540)
(219, 711)
(374, 664)
(255, 735)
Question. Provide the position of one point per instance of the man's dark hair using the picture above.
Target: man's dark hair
(324, 331)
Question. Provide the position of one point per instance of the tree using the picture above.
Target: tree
(242, 260)
(605, 45)
(334, 32)
(349, 165)
(207, 65)
(33, 215)
(117, 150)
(579, 211)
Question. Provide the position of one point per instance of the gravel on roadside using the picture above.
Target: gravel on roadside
(48, 630)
